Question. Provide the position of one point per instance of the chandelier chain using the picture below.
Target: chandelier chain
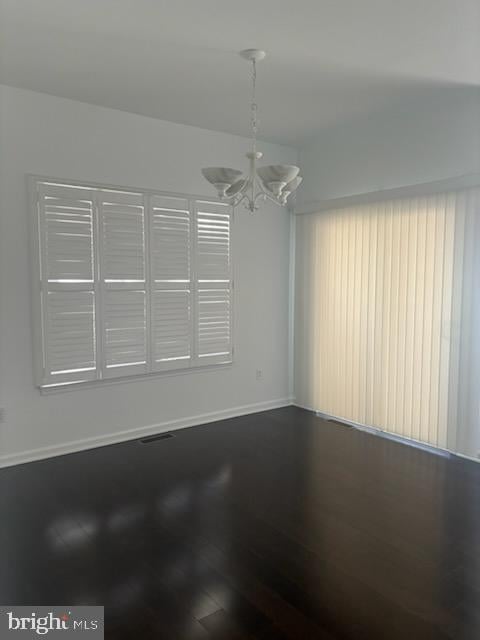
(254, 106)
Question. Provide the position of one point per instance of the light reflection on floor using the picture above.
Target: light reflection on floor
(80, 531)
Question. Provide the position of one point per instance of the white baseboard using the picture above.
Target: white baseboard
(465, 457)
(131, 434)
(410, 442)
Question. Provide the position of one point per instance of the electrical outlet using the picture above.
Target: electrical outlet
(258, 374)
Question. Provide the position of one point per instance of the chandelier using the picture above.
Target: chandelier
(273, 182)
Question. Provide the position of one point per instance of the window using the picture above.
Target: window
(388, 310)
(131, 282)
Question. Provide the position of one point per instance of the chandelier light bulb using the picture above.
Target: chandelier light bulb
(274, 182)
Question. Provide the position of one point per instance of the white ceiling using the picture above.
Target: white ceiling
(329, 60)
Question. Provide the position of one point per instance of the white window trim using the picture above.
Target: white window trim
(36, 286)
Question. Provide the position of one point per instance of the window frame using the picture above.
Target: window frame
(37, 260)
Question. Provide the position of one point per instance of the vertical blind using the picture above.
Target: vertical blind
(387, 316)
(128, 282)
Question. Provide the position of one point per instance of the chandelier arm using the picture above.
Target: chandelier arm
(248, 202)
(260, 195)
(242, 194)
(244, 189)
(235, 200)
(240, 197)
(264, 192)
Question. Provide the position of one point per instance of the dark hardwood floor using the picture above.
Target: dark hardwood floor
(270, 526)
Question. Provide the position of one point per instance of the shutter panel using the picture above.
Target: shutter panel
(70, 331)
(213, 322)
(124, 331)
(123, 237)
(123, 284)
(170, 229)
(170, 224)
(172, 326)
(213, 330)
(66, 226)
(213, 241)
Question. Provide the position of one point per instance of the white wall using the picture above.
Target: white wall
(433, 137)
(51, 136)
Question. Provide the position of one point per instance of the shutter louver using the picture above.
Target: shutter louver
(214, 288)
(65, 217)
(122, 230)
(170, 224)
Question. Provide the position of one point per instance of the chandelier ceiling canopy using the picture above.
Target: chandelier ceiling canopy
(273, 182)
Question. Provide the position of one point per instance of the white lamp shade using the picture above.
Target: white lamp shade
(276, 187)
(221, 175)
(278, 173)
(236, 187)
(293, 184)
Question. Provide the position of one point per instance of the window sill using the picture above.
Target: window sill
(146, 377)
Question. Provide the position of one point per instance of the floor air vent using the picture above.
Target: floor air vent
(159, 436)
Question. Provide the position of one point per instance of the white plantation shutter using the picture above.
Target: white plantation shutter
(170, 247)
(66, 232)
(213, 302)
(123, 282)
(129, 282)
